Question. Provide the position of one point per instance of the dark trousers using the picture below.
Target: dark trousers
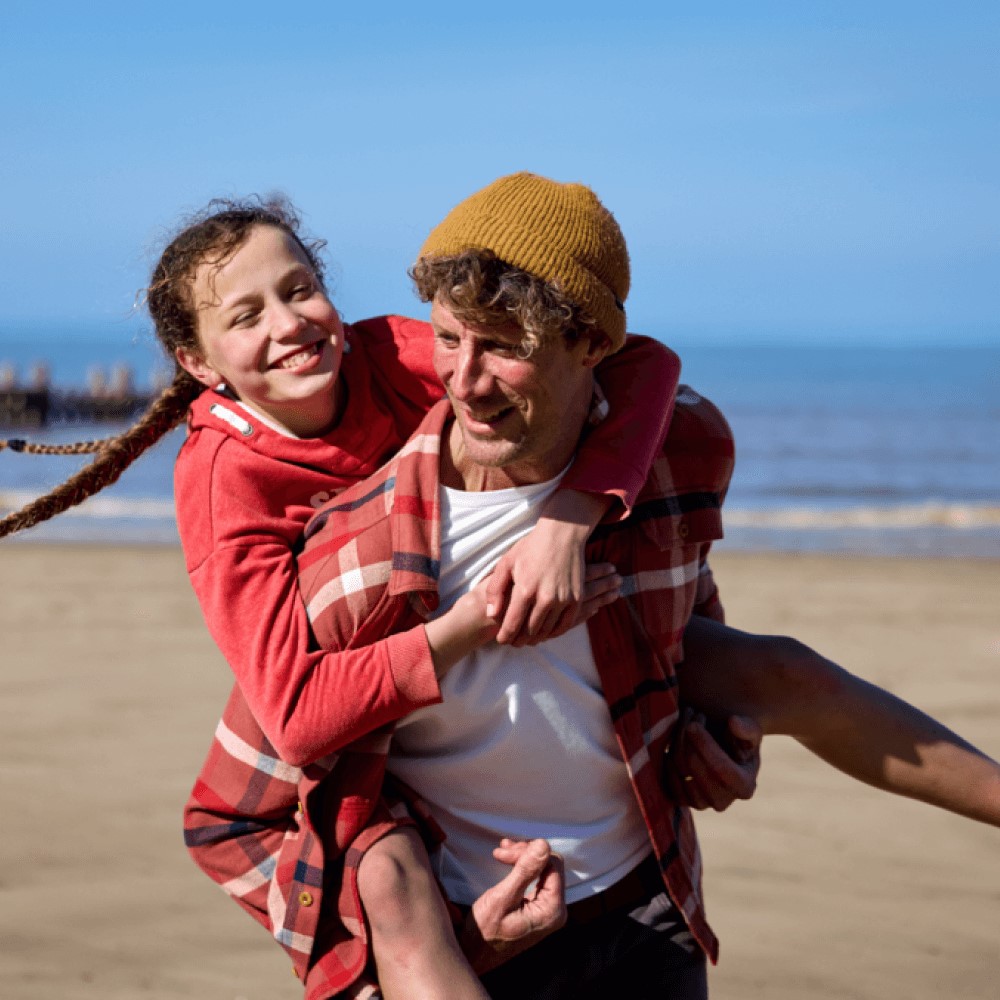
(640, 952)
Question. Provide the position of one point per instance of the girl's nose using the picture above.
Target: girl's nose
(287, 322)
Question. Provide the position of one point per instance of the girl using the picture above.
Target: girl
(285, 408)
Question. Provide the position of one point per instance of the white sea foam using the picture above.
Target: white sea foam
(957, 516)
(99, 507)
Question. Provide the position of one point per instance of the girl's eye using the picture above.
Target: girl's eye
(302, 291)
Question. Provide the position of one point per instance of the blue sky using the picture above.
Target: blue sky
(790, 171)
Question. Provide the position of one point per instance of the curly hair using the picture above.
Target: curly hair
(481, 289)
(210, 236)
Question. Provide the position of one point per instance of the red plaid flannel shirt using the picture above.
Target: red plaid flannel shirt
(370, 568)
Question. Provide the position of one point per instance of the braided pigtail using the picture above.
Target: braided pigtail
(114, 456)
(34, 448)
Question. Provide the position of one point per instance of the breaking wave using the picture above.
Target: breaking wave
(960, 517)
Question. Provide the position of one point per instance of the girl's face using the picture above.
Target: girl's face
(267, 329)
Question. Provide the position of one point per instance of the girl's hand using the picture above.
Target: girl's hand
(537, 590)
(538, 583)
(601, 586)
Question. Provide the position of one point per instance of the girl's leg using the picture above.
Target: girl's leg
(416, 953)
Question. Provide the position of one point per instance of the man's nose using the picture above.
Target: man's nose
(469, 377)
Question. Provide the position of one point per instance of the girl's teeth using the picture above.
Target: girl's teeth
(298, 359)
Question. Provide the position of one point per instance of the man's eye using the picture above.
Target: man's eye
(503, 349)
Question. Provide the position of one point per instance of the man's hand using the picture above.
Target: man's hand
(705, 772)
(504, 921)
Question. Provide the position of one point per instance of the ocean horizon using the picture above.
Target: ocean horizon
(889, 450)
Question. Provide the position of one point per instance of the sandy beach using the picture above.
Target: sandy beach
(818, 888)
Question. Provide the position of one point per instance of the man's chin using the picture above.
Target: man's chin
(490, 455)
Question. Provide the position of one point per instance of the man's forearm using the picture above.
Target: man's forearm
(857, 727)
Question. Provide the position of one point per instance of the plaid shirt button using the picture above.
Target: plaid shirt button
(306, 898)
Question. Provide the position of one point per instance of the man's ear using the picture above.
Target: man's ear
(196, 366)
(596, 351)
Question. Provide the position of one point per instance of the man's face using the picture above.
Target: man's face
(517, 419)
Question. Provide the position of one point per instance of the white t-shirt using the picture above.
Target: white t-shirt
(522, 745)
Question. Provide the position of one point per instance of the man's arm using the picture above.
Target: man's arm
(859, 728)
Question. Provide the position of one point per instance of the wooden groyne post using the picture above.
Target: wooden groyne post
(36, 403)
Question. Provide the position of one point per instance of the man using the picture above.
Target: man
(567, 741)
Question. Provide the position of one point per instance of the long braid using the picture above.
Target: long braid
(34, 448)
(114, 456)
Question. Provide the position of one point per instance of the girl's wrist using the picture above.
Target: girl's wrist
(460, 631)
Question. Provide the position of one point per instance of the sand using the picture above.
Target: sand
(819, 887)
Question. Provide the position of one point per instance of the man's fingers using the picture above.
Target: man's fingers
(530, 860)
(718, 778)
(498, 584)
(546, 909)
(691, 785)
(514, 618)
(595, 571)
(747, 736)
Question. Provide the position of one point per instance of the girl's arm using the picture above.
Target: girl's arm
(536, 588)
(857, 727)
(308, 703)
(639, 383)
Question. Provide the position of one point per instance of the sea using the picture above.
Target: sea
(889, 450)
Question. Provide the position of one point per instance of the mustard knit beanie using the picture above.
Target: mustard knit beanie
(558, 232)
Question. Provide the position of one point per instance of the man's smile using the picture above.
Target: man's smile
(484, 420)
